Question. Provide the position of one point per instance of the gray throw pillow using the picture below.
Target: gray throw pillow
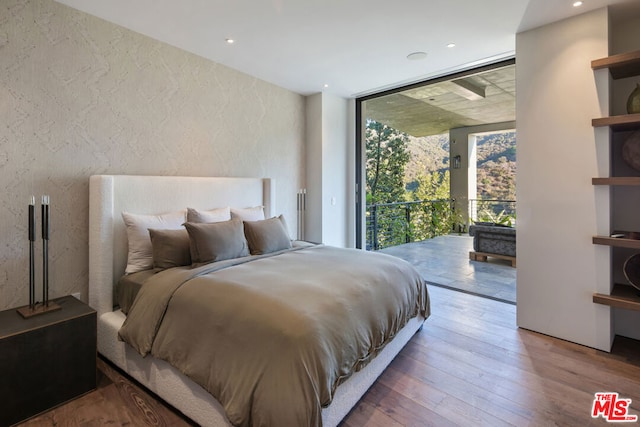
(216, 241)
(170, 248)
(266, 236)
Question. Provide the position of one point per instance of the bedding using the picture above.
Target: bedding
(216, 241)
(272, 336)
(128, 287)
(140, 255)
(212, 215)
(255, 213)
(170, 248)
(266, 236)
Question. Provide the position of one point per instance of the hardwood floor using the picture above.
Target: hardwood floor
(469, 365)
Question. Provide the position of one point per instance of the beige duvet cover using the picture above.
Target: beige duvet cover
(271, 337)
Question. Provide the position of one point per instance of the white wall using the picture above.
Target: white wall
(335, 125)
(329, 170)
(351, 174)
(558, 153)
(314, 162)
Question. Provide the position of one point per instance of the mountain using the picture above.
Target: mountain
(496, 174)
(496, 167)
(428, 154)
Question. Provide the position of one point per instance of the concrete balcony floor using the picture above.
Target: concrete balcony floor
(444, 261)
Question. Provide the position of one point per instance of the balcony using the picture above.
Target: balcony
(434, 239)
(392, 224)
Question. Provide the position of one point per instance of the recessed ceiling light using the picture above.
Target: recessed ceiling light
(451, 45)
(577, 3)
(230, 41)
(416, 56)
(326, 85)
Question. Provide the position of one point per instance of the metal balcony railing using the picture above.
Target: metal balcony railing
(493, 210)
(391, 224)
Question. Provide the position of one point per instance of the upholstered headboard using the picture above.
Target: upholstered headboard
(110, 195)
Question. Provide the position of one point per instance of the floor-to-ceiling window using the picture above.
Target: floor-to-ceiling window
(413, 174)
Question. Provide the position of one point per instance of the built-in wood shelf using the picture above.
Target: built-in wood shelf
(617, 180)
(621, 296)
(619, 242)
(622, 122)
(620, 66)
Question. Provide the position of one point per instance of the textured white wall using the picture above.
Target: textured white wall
(558, 153)
(81, 96)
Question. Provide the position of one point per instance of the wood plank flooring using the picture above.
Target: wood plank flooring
(469, 366)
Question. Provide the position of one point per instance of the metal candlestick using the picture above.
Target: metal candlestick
(32, 267)
(34, 309)
(45, 250)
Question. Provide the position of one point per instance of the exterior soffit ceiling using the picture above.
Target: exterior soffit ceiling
(484, 98)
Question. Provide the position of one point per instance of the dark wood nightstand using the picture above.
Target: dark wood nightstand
(46, 360)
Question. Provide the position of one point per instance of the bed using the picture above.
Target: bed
(110, 195)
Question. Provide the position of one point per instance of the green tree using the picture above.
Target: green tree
(433, 217)
(387, 157)
(433, 186)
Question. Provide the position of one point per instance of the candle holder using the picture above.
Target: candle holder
(45, 250)
(32, 239)
(34, 308)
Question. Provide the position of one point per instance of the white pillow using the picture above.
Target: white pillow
(248, 214)
(140, 256)
(209, 216)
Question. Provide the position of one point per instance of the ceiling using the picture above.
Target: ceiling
(476, 99)
(356, 47)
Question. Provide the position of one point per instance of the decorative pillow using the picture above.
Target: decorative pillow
(140, 255)
(213, 215)
(266, 236)
(248, 214)
(170, 248)
(216, 241)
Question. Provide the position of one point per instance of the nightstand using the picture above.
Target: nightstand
(46, 360)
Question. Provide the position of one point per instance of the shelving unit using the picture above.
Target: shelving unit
(619, 66)
(617, 180)
(626, 122)
(621, 296)
(617, 242)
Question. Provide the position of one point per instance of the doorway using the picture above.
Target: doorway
(457, 111)
(483, 96)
